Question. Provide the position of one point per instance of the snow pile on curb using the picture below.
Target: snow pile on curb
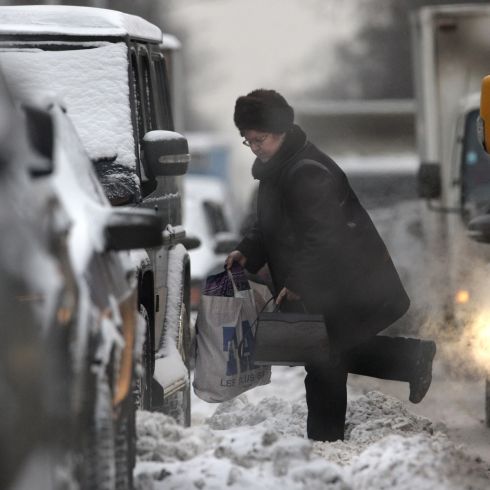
(240, 457)
(369, 419)
(288, 419)
(160, 438)
(243, 445)
(421, 462)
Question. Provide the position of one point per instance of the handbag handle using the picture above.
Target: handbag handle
(265, 304)
(277, 307)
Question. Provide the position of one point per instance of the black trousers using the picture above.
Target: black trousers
(391, 358)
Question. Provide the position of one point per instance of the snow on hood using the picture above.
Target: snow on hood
(245, 445)
(93, 85)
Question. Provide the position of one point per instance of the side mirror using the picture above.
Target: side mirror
(225, 242)
(191, 242)
(429, 181)
(479, 228)
(127, 229)
(166, 153)
(483, 124)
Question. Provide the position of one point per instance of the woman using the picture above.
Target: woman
(324, 253)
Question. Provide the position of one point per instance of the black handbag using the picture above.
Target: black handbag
(291, 339)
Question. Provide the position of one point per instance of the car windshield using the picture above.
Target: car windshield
(475, 169)
(92, 84)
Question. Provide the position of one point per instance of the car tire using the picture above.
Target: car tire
(142, 391)
(178, 405)
(98, 467)
(125, 445)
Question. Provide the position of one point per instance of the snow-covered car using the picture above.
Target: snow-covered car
(108, 70)
(67, 275)
(207, 217)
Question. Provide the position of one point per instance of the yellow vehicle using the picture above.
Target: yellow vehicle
(479, 227)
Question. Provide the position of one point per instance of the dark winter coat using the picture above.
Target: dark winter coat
(320, 243)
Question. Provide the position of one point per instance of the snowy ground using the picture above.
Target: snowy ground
(258, 440)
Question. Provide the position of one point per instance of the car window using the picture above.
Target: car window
(215, 216)
(149, 105)
(163, 92)
(138, 97)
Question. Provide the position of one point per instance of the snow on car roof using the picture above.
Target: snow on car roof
(75, 21)
(93, 86)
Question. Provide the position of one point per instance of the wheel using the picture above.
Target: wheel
(125, 445)
(98, 466)
(178, 405)
(142, 391)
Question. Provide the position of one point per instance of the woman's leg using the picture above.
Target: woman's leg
(326, 397)
(395, 358)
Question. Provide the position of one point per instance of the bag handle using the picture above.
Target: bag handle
(237, 293)
(240, 345)
(277, 307)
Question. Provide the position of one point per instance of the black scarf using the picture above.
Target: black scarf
(294, 142)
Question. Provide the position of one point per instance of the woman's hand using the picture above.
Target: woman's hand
(235, 256)
(288, 294)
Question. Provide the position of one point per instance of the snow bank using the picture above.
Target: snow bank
(420, 462)
(160, 438)
(245, 445)
(274, 413)
(240, 458)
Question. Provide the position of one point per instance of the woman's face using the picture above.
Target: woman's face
(263, 145)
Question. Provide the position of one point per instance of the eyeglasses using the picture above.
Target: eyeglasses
(255, 141)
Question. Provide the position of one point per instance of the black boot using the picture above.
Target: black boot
(422, 375)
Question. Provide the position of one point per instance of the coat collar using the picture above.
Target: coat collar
(293, 144)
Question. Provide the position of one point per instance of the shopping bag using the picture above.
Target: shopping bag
(225, 338)
(291, 339)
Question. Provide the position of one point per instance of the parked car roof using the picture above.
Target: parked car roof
(61, 20)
